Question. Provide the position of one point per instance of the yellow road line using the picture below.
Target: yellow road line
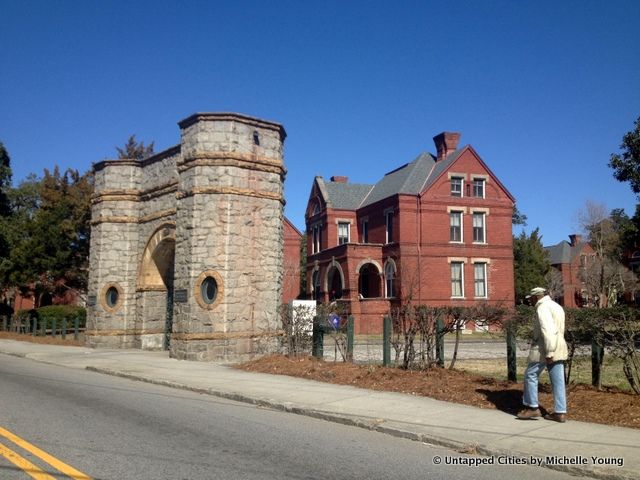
(24, 464)
(42, 455)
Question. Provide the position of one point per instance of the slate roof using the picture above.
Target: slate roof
(408, 179)
(563, 252)
(411, 178)
(344, 196)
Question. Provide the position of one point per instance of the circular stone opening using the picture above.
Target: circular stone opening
(209, 290)
(112, 296)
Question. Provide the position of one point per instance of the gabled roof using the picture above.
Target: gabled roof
(343, 196)
(442, 166)
(408, 179)
(563, 252)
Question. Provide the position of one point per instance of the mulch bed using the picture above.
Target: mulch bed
(609, 406)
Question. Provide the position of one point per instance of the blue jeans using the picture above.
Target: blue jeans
(556, 374)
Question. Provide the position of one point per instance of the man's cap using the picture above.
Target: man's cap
(537, 291)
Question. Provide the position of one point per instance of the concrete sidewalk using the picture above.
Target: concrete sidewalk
(575, 447)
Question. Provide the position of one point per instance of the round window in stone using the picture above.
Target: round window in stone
(112, 296)
(209, 290)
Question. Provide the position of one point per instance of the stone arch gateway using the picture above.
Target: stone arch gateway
(187, 245)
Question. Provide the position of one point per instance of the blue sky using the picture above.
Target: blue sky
(543, 90)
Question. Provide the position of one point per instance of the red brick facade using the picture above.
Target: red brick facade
(291, 270)
(371, 245)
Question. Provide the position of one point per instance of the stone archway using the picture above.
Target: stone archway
(155, 289)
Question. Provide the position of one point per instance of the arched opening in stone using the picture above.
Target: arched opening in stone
(155, 288)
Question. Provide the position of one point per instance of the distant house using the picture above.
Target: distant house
(437, 230)
(570, 259)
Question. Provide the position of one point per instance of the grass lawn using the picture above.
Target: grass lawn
(612, 374)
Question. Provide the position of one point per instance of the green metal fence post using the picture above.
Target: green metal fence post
(4, 323)
(350, 335)
(43, 326)
(318, 338)
(440, 341)
(511, 355)
(54, 326)
(63, 331)
(34, 326)
(386, 341)
(76, 326)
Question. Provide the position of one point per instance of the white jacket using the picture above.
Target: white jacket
(548, 332)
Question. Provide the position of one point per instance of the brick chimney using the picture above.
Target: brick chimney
(575, 239)
(337, 179)
(446, 143)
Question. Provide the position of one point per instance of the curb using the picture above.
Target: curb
(369, 424)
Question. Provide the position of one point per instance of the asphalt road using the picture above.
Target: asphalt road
(112, 428)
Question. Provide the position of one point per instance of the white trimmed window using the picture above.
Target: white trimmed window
(457, 279)
(478, 187)
(365, 231)
(389, 222)
(389, 277)
(479, 234)
(316, 239)
(343, 232)
(480, 280)
(457, 184)
(455, 226)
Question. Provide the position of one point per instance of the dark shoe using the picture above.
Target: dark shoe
(529, 414)
(556, 417)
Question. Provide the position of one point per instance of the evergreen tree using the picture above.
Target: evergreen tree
(626, 166)
(5, 181)
(530, 263)
(135, 150)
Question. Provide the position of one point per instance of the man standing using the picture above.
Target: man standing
(548, 349)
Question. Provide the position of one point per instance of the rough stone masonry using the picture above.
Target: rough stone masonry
(187, 245)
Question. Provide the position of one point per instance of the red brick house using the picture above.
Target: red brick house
(291, 270)
(437, 229)
(570, 258)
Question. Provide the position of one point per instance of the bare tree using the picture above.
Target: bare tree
(605, 278)
(554, 283)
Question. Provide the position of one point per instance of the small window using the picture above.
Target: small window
(316, 239)
(256, 138)
(457, 281)
(480, 279)
(478, 187)
(343, 233)
(456, 186)
(389, 275)
(455, 227)
(112, 296)
(209, 290)
(389, 232)
(479, 228)
(365, 231)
